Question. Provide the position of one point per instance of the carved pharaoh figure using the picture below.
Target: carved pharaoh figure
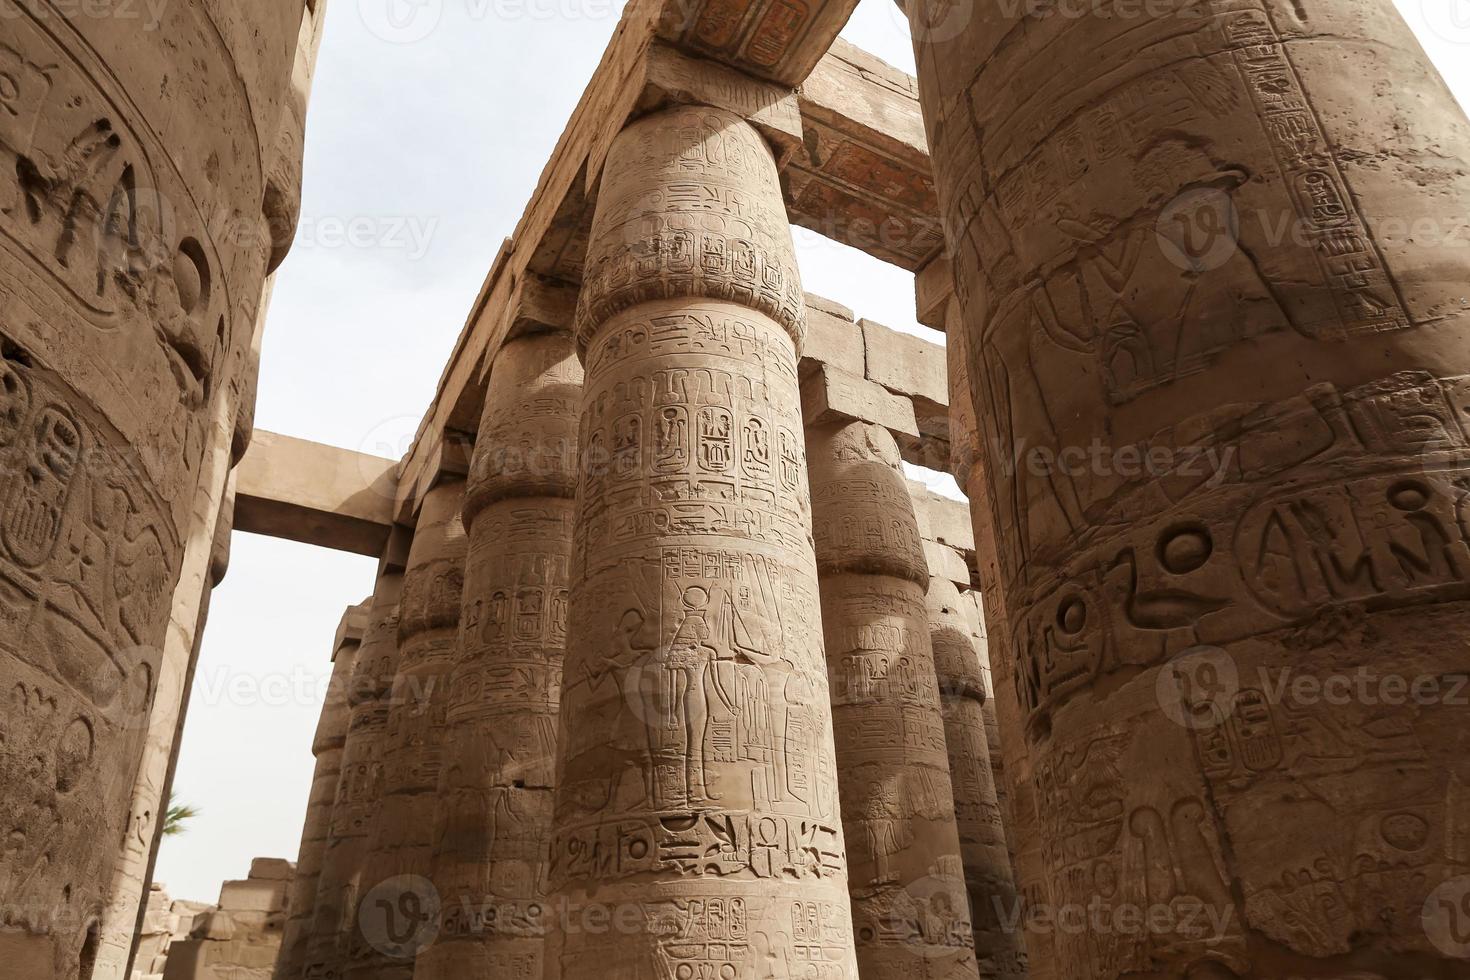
(695, 747)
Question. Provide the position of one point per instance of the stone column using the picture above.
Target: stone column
(1206, 254)
(1023, 826)
(495, 790)
(696, 795)
(994, 908)
(327, 746)
(119, 341)
(395, 914)
(910, 911)
(359, 787)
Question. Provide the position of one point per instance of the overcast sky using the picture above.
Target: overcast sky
(425, 138)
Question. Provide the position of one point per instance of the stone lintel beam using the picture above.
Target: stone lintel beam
(933, 286)
(352, 625)
(865, 179)
(915, 368)
(305, 491)
(948, 564)
(671, 77)
(768, 39)
(766, 42)
(944, 521)
(830, 394)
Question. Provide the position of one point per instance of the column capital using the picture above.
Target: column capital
(691, 207)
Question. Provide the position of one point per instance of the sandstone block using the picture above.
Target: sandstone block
(904, 363)
(274, 869)
(831, 395)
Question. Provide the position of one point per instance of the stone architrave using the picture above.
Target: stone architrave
(994, 909)
(120, 337)
(911, 914)
(396, 902)
(359, 789)
(1219, 341)
(495, 789)
(696, 797)
(328, 746)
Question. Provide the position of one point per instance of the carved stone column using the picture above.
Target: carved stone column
(999, 946)
(119, 339)
(359, 788)
(697, 826)
(1218, 339)
(495, 790)
(910, 910)
(328, 747)
(1023, 826)
(395, 914)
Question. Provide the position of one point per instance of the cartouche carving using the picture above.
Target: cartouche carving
(696, 798)
(1171, 241)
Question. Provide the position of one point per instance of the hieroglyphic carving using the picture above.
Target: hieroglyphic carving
(87, 561)
(117, 341)
(696, 797)
(359, 788)
(911, 914)
(400, 839)
(495, 791)
(329, 748)
(999, 950)
(1172, 250)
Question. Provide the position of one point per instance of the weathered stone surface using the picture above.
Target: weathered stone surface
(864, 177)
(933, 289)
(946, 521)
(946, 563)
(359, 788)
(239, 939)
(994, 902)
(125, 327)
(904, 363)
(695, 709)
(495, 792)
(1113, 211)
(830, 394)
(322, 495)
(224, 534)
(761, 38)
(328, 746)
(892, 771)
(832, 338)
(401, 840)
